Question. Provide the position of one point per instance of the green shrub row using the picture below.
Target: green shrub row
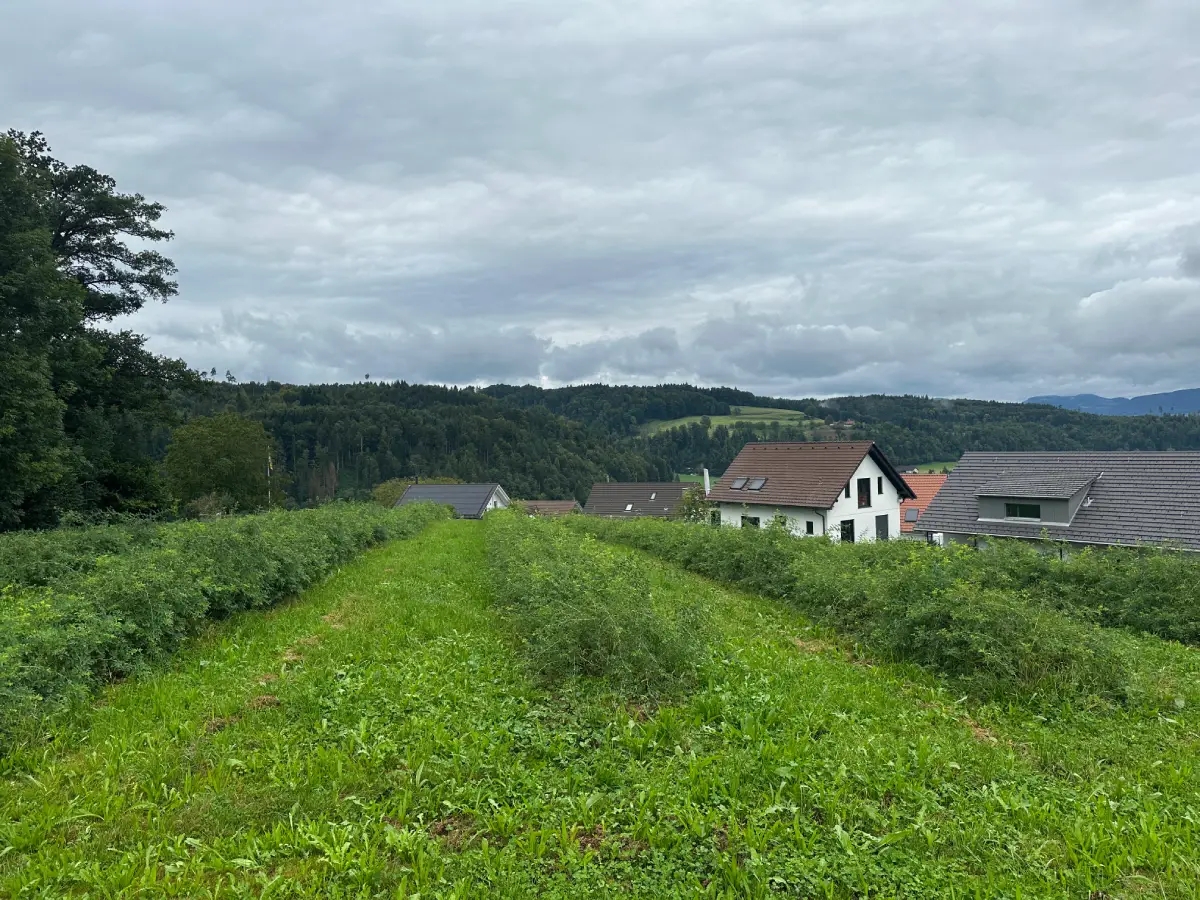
(583, 608)
(112, 616)
(1147, 590)
(39, 558)
(903, 601)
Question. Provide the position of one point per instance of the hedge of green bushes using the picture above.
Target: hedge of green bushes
(904, 601)
(94, 606)
(582, 608)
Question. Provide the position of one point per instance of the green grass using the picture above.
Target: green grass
(934, 468)
(752, 415)
(380, 737)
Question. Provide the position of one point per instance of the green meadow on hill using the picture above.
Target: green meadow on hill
(514, 709)
(749, 415)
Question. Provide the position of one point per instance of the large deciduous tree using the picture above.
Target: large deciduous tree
(81, 407)
(224, 456)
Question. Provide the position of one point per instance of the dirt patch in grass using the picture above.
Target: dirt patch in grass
(811, 646)
(311, 641)
(454, 831)
(592, 839)
(263, 701)
(334, 620)
(212, 726)
(291, 656)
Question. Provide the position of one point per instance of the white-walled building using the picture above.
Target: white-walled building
(845, 489)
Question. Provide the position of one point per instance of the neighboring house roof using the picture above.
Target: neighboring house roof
(469, 500)
(551, 507)
(1047, 487)
(1133, 497)
(810, 474)
(638, 498)
(926, 487)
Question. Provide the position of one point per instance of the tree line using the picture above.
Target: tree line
(92, 424)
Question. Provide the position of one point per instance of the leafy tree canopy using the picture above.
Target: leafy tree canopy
(226, 456)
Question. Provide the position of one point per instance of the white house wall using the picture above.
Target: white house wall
(864, 519)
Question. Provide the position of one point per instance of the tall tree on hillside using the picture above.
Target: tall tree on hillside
(104, 400)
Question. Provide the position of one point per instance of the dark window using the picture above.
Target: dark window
(714, 517)
(847, 490)
(756, 484)
(912, 514)
(864, 493)
(882, 531)
(750, 521)
(879, 485)
(808, 527)
(1022, 510)
(847, 531)
(738, 484)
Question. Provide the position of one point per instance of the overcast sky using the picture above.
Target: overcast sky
(995, 199)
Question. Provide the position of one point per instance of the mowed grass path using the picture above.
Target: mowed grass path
(378, 737)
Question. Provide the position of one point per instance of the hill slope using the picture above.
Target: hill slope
(379, 737)
(1173, 402)
(340, 440)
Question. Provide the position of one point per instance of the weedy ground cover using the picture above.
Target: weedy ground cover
(968, 615)
(381, 737)
(94, 604)
(582, 608)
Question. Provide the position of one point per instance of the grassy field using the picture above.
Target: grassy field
(935, 468)
(381, 736)
(752, 415)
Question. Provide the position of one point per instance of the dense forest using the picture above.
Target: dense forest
(90, 421)
(342, 439)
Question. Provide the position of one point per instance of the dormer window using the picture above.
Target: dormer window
(1032, 511)
(738, 484)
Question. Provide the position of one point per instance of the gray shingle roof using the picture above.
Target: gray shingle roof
(468, 500)
(610, 498)
(1136, 497)
(1046, 487)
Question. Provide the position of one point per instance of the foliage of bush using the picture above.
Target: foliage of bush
(100, 603)
(904, 601)
(1147, 590)
(583, 608)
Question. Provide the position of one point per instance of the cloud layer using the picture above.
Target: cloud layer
(993, 199)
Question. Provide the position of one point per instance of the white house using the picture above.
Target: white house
(845, 489)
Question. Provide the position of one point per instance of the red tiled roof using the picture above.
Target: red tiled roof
(926, 488)
(810, 473)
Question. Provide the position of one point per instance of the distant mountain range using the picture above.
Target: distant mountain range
(1177, 402)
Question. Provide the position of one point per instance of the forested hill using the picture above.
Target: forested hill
(343, 439)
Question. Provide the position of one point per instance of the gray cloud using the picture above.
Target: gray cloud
(995, 199)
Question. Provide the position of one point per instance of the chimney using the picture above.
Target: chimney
(707, 484)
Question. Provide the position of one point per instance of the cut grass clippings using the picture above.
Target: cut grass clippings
(409, 752)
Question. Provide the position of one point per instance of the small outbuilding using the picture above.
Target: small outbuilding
(469, 501)
(634, 499)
